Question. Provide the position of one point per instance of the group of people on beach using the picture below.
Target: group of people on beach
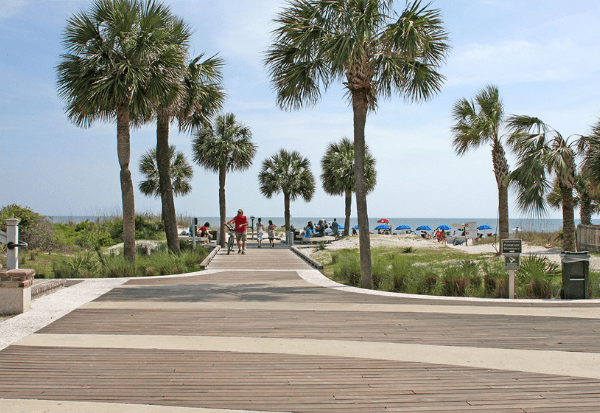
(321, 229)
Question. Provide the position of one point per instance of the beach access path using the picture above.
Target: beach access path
(264, 332)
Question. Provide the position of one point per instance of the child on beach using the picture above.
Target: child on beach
(259, 232)
(271, 233)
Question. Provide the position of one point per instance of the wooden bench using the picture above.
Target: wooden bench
(317, 240)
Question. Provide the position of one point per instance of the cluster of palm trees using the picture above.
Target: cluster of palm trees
(547, 171)
(127, 61)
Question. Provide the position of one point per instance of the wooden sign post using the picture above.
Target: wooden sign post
(512, 248)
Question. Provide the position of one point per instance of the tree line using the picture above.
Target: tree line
(552, 171)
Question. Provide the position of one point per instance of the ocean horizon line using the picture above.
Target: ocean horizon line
(515, 224)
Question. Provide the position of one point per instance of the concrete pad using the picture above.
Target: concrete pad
(533, 361)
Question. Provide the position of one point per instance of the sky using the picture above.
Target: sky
(544, 55)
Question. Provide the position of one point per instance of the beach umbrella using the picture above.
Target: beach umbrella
(423, 228)
(402, 227)
(356, 226)
(383, 221)
(484, 227)
(340, 227)
(382, 227)
(443, 227)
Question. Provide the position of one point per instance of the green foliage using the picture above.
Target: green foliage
(433, 273)
(34, 229)
(149, 262)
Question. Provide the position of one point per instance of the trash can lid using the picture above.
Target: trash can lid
(569, 256)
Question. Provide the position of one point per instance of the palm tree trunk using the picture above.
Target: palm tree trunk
(585, 208)
(359, 109)
(286, 205)
(501, 172)
(166, 187)
(348, 212)
(568, 243)
(124, 154)
(222, 210)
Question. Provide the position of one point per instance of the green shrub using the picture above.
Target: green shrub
(347, 267)
(34, 229)
(83, 265)
(538, 288)
(398, 283)
(428, 284)
(501, 290)
(453, 282)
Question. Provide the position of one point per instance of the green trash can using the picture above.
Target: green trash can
(575, 275)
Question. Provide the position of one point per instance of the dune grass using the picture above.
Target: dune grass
(448, 272)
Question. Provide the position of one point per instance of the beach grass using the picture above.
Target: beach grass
(448, 272)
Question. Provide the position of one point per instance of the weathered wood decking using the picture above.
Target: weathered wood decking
(250, 334)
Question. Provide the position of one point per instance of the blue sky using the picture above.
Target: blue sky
(543, 55)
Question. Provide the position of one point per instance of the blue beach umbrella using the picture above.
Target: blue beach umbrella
(484, 227)
(356, 226)
(382, 227)
(423, 228)
(402, 227)
(340, 227)
(443, 227)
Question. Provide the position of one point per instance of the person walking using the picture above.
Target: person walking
(240, 222)
(271, 233)
(259, 231)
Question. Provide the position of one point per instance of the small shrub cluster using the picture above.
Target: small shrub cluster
(158, 261)
(34, 229)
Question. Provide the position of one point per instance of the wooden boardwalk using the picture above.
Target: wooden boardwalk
(251, 334)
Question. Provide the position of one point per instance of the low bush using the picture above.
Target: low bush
(113, 265)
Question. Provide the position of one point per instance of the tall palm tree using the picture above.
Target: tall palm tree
(542, 152)
(586, 197)
(120, 58)
(287, 172)
(194, 97)
(224, 148)
(372, 50)
(337, 166)
(478, 123)
(180, 173)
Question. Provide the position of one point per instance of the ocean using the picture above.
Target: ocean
(523, 224)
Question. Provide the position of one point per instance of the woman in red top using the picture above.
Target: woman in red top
(240, 224)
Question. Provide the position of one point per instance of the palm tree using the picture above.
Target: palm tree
(542, 152)
(120, 58)
(588, 186)
(194, 97)
(224, 148)
(376, 51)
(479, 123)
(180, 172)
(337, 166)
(287, 172)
